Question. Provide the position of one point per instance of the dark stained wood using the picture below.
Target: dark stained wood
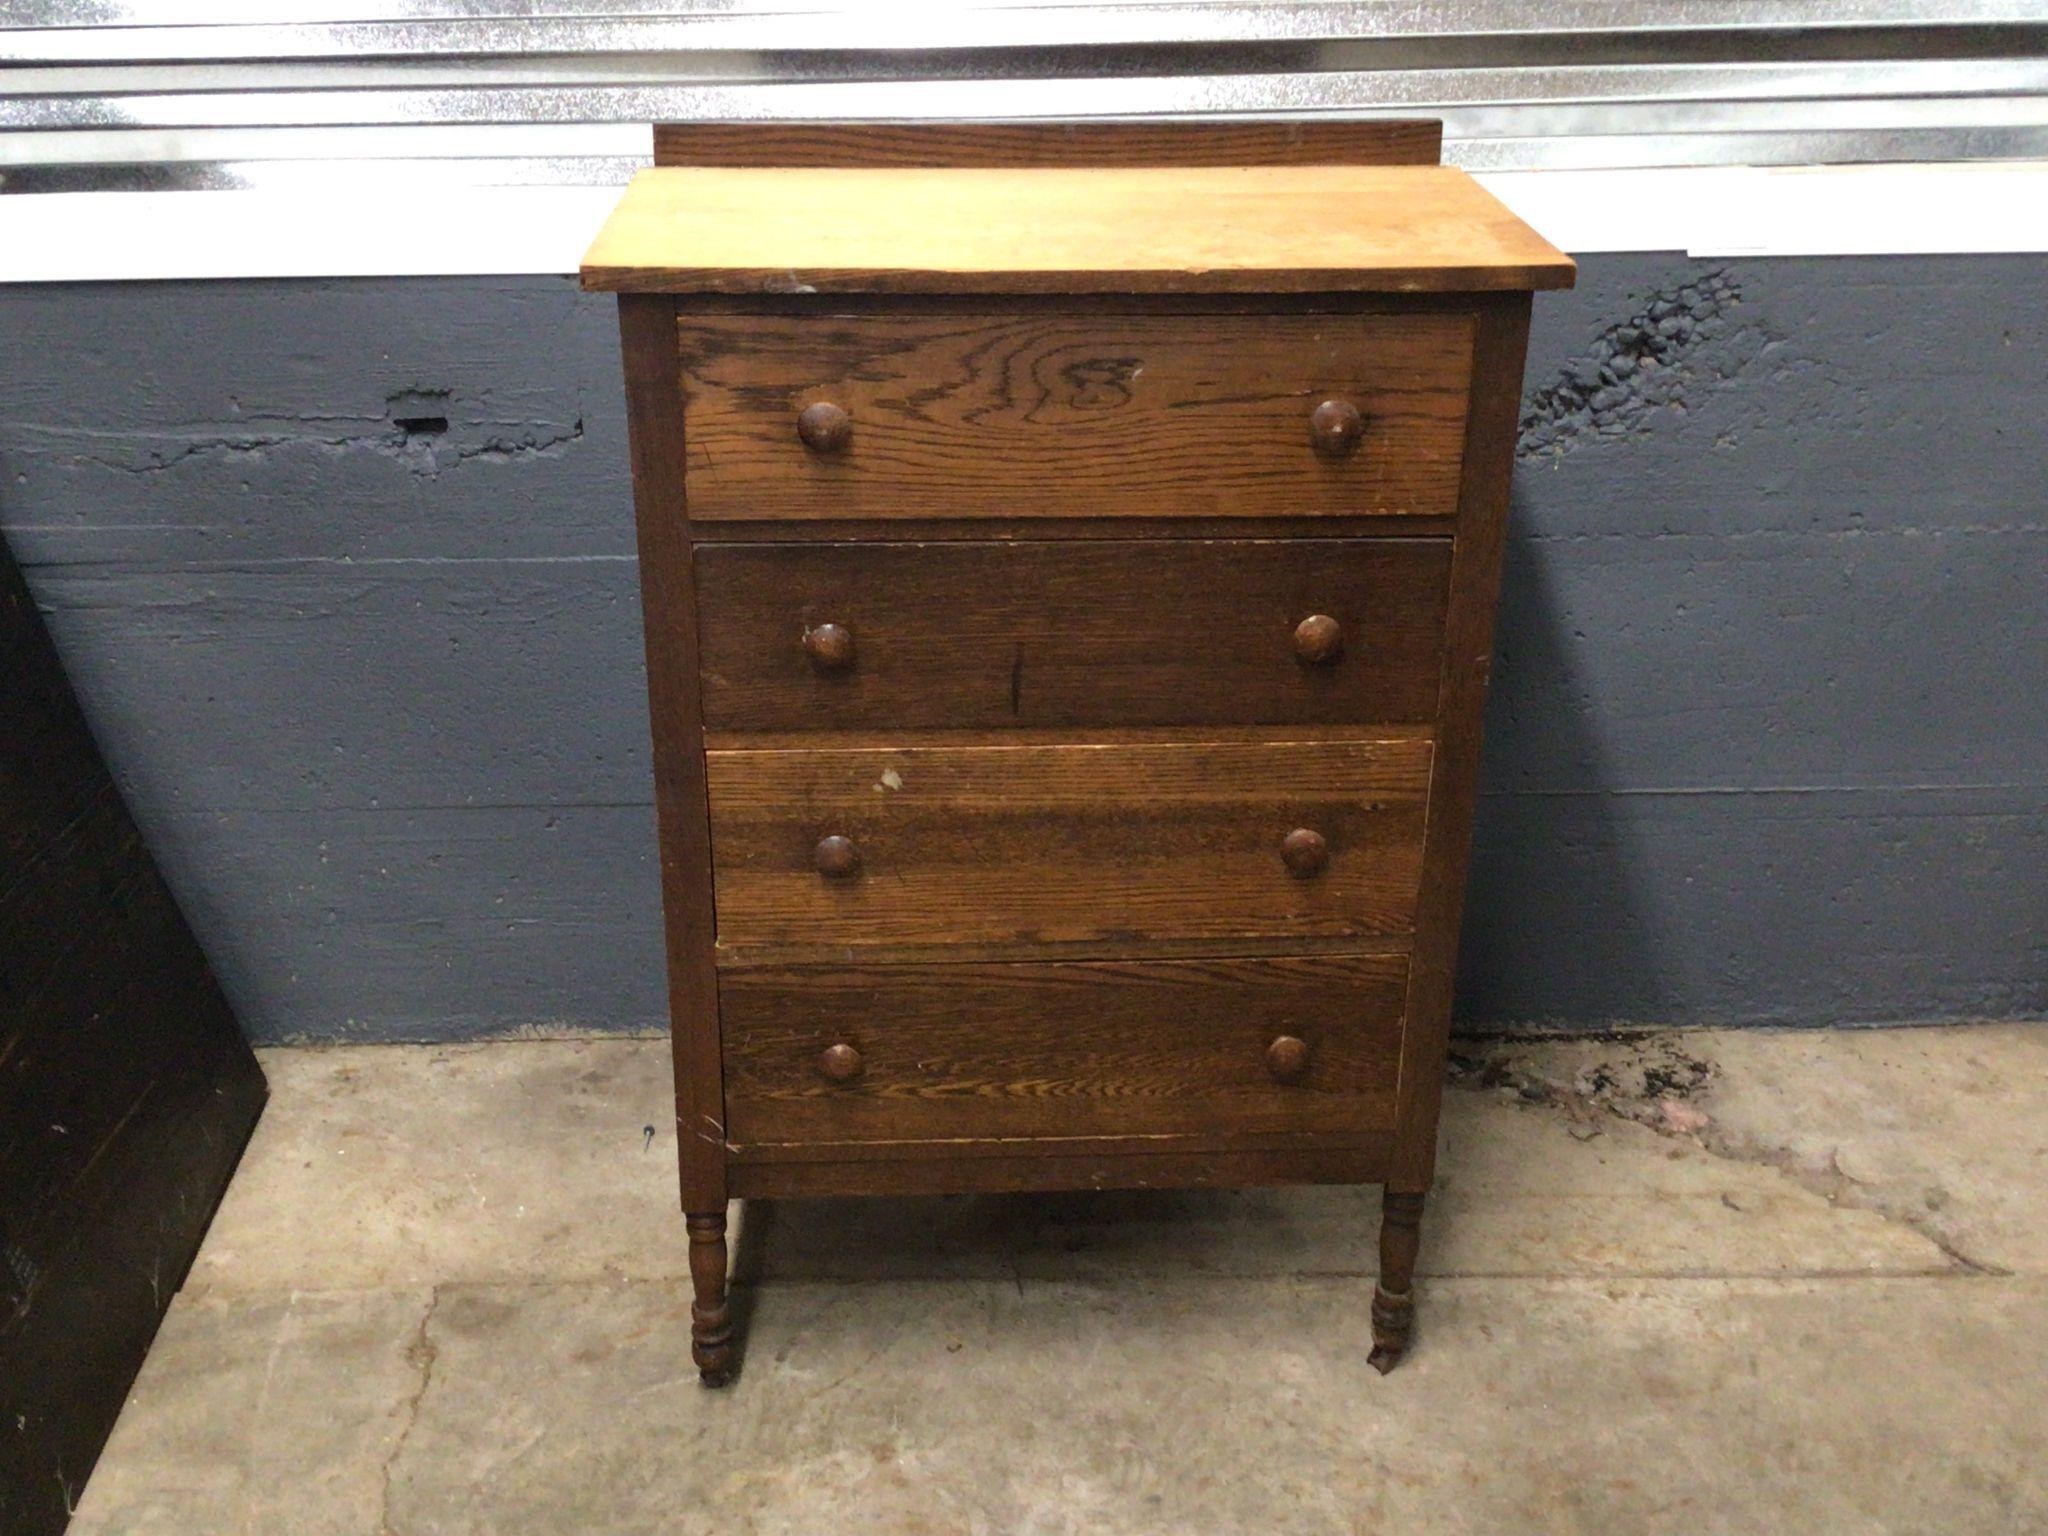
(991, 1168)
(1385, 141)
(824, 427)
(1026, 1148)
(1077, 639)
(840, 1063)
(1305, 852)
(1318, 638)
(952, 1052)
(1075, 530)
(1111, 947)
(1393, 1301)
(972, 845)
(830, 647)
(1454, 780)
(654, 403)
(1014, 414)
(126, 1091)
(1084, 633)
(1336, 428)
(710, 1310)
(1287, 1058)
(1053, 736)
(836, 857)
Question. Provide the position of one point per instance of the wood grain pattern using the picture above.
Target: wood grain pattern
(1383, 141)
(971, 845)
(1093, 633)
(1257, 229)
(1078, 529)
(951, 1052)
(993, 1167)
(1067, 670)
(654, 401)
(1048, 415)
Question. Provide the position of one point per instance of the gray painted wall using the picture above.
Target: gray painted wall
(1768, 741)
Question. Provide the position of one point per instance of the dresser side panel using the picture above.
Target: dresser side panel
(655, 409)
(1492, 421)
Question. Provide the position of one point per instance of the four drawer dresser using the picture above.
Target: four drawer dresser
(1069, 557)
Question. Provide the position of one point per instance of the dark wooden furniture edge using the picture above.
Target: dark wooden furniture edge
(1360, 1163)
(647, 338)
(996, 145)
(127, 1096)
(1490, 431)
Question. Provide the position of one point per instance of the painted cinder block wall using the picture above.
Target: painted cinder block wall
(344, 573)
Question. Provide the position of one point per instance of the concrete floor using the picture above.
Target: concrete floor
(1701, 1283)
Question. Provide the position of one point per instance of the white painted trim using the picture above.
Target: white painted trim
(1833, 210)
(381, 229)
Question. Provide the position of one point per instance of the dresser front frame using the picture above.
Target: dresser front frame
(712, 1170)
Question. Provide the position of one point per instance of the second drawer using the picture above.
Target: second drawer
(1108, 842)
(800, 637)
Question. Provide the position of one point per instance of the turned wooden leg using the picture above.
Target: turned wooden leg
(1393, 1299)
(710, 1313)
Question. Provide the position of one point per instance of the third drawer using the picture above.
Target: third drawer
(798, 637)
(1120, 843)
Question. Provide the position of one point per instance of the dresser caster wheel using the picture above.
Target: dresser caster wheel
(1393, 1325)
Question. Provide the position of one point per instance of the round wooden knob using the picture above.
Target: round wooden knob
(841, 1063)
(1304, 851)
(1336, 428)
(836, 857)
(1318, 638)
(824, 427)
(830, 647)
(1287, 1059)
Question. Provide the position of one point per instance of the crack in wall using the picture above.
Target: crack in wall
(1682, 342)
(1657, 1082)
(419, 429)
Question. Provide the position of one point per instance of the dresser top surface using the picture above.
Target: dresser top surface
(1245, 229)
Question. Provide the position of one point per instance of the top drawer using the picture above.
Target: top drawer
(1058, 415)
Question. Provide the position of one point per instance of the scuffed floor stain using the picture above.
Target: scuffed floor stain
(1651, 1080)
(1662, 1081)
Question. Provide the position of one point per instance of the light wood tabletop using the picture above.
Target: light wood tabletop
(1242, 229)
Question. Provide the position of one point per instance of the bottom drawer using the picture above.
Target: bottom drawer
(966, 1052)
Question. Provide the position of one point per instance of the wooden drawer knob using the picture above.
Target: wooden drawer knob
(830, 647)
(1304, 851)
(841, 1063)
(836, 857)
(1318, 638)
(1287, 1059)
(824, 427)
(1336, 428)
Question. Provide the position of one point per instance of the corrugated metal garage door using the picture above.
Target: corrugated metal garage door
(102, 95)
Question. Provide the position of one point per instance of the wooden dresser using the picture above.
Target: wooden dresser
(1069, 559)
